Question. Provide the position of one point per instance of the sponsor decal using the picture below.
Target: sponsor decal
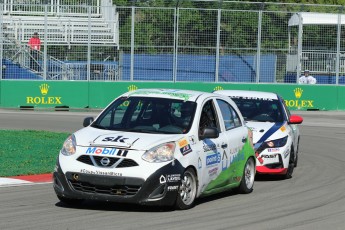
(173, 178)
(115, 139)
(169, 178)
(192, 140)
(253, 98)
(273, 150)
(283, 128)
(269, 156)
(237, 158)
(171, 93)
(100, 151)
(172, 188)
(183, 142)
(162, 179)
(185, 150)
(209, 147)
(286, 154)
(298, 103)
(213, 159)
(43, 99)
(213, 171)
(199, 163)
(97, 172)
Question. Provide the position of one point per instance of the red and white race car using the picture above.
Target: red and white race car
(275, 132)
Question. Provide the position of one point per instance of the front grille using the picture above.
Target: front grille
(127, 163)
(115, 162)
(116, 190)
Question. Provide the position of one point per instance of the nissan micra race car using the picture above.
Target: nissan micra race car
(158, 147)
(275, 132)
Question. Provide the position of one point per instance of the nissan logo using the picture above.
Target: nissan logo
(105, 161)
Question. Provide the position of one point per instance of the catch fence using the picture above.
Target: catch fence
(192, 41)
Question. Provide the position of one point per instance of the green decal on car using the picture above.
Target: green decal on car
(232, 175)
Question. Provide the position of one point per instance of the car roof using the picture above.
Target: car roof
(181, 94)
(248, 94)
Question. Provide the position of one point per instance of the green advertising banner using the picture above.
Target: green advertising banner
(43, 94)
(72, 94)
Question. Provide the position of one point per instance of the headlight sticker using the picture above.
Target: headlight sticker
(184, 146)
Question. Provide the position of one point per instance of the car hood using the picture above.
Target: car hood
(132, 140)
(263, 131)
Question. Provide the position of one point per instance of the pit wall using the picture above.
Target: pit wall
(97, 95)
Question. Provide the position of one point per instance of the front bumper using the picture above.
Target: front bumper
(161, 188)
(273, 162)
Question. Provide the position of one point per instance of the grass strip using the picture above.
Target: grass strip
(29, 152)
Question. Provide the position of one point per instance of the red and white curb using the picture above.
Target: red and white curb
(26, 180)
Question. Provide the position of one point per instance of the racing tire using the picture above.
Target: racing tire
(247, 181)
(187, 192)
(69, 201)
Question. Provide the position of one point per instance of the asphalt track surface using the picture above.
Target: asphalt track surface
(313, 199)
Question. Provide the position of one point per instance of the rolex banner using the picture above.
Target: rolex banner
(71, 94)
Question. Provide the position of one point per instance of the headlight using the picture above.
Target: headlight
(69, 146)
(276, 143)
(160, 153)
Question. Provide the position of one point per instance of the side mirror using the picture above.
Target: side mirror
(88, 121)
(209, 132)
(295, 119)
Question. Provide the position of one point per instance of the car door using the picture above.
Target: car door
(212, 150)
(236, 135)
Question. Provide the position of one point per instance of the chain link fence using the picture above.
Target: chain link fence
(194, 41)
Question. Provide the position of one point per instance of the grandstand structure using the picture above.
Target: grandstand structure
(87, 24)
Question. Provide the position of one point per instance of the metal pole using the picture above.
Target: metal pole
(45, 42)
(176, 22)
(338, 50)
(89, 44)
(218, 44)
(132, 43)
(299, 48)
(258, 53)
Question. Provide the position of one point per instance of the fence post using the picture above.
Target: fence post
(132, 43)
(338, 49)
(88, 45)
(258, 53)
(218, 44)
(45, 42)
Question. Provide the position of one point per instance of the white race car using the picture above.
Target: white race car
(275, 132)
(159, 147)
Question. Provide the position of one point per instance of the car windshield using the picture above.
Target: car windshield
(257, 109)
(147, 115)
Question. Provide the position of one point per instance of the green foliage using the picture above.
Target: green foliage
(29, 152)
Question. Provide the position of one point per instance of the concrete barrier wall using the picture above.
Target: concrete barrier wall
(71, 94)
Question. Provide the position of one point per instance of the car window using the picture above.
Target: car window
(145, 114)
(208, 117)
(230, 117)
(260, 109)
